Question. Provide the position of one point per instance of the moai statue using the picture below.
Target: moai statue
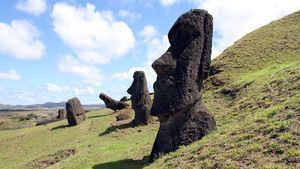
(75, 112)
(177, 91)
(140, 99)
(113, 104)
(62, 114)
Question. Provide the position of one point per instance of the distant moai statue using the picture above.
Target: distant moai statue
(113, 104)
(75, 112)
(62, 114)
(140, 99)
(180, 73)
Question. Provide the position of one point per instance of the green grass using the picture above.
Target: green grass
(256, 106)
(123, 148)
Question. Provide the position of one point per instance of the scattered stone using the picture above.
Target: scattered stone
(62, 114)
(123, 116)
(124, 99)
(140, 99)
(75, 112)
(180, 73)
(111, 103)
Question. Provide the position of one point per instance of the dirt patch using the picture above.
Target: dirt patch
(46, 161)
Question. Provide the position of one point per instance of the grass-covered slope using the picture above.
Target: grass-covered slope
(254, 93)
(255, 96)
(98, 142)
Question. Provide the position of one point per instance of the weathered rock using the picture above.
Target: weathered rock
(75, 112)
(111, 103)
(123, 116)
(140, 99)
(180, 72)
(124, 99)
(62, 114)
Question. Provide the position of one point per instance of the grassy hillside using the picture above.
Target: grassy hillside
(254, 93)
(98, 142)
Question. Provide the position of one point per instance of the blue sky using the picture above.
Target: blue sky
(57, 49)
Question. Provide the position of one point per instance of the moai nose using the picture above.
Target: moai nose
(164, 64)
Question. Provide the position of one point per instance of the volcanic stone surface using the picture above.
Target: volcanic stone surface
(124, 99)
(113, 104)
(180, 72)
(75, 112)
(62, 114)
(140, 99)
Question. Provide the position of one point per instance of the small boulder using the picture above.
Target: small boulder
(123, 116)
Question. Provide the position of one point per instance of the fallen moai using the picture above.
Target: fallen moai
(113, 104)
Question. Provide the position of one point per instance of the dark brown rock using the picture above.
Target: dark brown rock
(140, 99)
(180, 73)
(75, 112)
(123, 116)
(124, 99)
(62, 114)
(111, 103)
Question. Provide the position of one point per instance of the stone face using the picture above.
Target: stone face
(75, 112)
(111, 103)
(180, 73)
(62, 114)
(140, 99)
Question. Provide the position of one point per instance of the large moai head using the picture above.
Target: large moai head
(183, 67)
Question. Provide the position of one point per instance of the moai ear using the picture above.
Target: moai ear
(206, 52)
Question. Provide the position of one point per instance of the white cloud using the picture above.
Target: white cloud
(235, 18)
(54, 88)
(89, 73)
(148, 32)
(156, 47)
(128, 15)
(34, 7)
(21, 40)
(168, 2)
(84, 91)
(10, 75)
(129, 74)
(96, 37)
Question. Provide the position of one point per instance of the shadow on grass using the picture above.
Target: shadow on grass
(124, 164)
(102, 115)
(60, 127)
(115, 128)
